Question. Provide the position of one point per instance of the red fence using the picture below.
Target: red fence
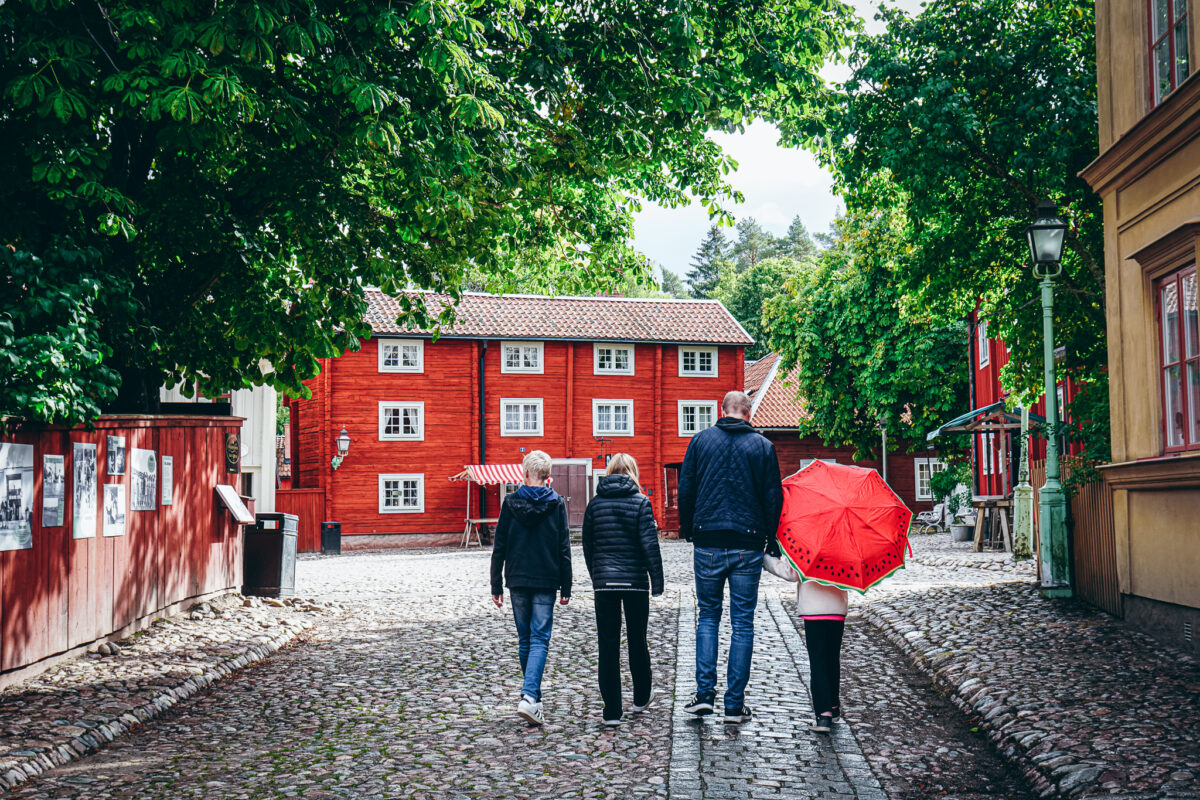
(309, 506)
(76, 582)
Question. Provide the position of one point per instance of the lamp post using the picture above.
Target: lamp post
(1045, 238)
(343, 447)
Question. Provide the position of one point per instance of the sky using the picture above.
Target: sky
(778, 184)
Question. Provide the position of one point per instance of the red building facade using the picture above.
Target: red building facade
(580, 378)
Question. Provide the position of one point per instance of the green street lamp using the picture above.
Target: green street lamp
(1045, 237)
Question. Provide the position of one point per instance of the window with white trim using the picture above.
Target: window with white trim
(697, 362)
(987, 457)
(523, 357)
(401, 421)
(804, 462)
(521, 416)
(985, 355)
(612, 359)
(398, 355)
(926, 468)
(612, 417)
(696, 415)
(402, 494)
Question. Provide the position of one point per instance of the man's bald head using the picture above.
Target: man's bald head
(736, 404)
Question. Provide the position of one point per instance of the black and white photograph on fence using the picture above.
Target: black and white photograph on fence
(16, 500)
(168, 487)
(114, 509)
(54, 491)
(143, 481)
(116, 455)
(83, 497)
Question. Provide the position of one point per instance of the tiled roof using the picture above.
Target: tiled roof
(757, 372)
(490, 316)
(775, 402)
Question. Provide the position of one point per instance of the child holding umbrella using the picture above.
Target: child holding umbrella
(823, 609)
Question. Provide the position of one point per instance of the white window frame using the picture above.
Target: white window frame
(712, 404)
(522, 401)
(401, 343)
(419, 477)
(981, 344)
(599, 370)
(540, 369)
(385, 405)
(697, 373)
(987, 445)
(933, 466)
(597, 430)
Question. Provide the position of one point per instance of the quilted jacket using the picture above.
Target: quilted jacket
(620, 539)
(533, 543)
(730, 492)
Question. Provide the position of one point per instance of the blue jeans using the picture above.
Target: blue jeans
(533, 611)
(743, 569)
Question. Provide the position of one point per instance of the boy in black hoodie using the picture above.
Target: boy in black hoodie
(532, 554)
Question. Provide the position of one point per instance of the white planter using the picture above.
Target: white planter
(962, 533)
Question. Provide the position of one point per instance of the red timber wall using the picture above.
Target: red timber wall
(902, 470)
(349, 390)
(66, 592)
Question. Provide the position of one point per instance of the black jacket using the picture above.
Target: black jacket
(730, 493)
(620, 538)
(533, 543)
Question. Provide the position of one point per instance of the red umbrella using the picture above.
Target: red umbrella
(842, 525)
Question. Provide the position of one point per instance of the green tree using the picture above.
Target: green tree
(753, 244)
(245, 169)
(797, 244)
(976, 109)
(863, 351)
(671, 285)
(710, 260)
(747, 293)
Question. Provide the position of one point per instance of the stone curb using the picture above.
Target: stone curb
(102, 729)
(1054, 774)
(1007, 565)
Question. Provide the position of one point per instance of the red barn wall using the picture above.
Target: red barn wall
(66, 592)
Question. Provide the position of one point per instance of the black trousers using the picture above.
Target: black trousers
(608, 628)
(823, 640)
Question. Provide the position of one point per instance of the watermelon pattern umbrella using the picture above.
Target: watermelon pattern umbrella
(842, 526)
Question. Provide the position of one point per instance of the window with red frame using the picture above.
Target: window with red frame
(1179, 343)
(1168, 46)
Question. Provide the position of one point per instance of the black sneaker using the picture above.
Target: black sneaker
(822, 725)
(701, 704)
(733, 716)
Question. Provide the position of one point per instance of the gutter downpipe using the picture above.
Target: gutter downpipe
(482, 424)
(972, 325)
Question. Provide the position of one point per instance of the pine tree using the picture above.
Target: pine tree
(753, 244)
(797, 244)
(708, 262)
(671, 284)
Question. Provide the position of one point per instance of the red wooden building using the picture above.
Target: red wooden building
(777, 414)
(577, 377)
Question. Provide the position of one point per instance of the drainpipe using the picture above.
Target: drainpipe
(482, 424)
(971, 325)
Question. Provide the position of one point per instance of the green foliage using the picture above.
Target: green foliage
(1087, 416)
(957, 471)
(711, 259)
(283, 415)
(863, 352)
(976, 109)
(245, 169)
(797, 244)
(753, 244)
(671, 285)
(747, 293)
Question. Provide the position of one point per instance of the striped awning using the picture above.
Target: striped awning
(491, 473)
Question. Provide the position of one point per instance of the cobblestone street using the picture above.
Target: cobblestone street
(411, 693)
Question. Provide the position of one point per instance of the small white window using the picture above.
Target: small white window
(523, 357)
(613, 359)
(402, 494)
(986, 457)
(612, 417)
(985, 356)
(521, 416)
(926, 468)
(696, 415)
(401, 355)
(401, 421)
(697, 362)
(804, 462)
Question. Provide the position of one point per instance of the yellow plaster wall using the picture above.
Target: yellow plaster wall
(1164, 544)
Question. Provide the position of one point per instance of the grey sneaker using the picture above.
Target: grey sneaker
(530, 711)
(612, 723)
(645, 705)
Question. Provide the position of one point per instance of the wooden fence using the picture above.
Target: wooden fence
(1093, 541)
(65, 583)
(309, 506)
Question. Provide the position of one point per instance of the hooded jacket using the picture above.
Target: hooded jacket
(533, 543)
(730, 492)
(620, 538)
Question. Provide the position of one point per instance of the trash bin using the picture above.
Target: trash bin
(331, 538)
(269, 559)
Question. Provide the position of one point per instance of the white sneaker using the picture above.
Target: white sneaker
(530, 711)
(645, 705)
(612, 723)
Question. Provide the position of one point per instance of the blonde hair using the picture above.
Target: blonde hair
(623, 464)
(537, 465)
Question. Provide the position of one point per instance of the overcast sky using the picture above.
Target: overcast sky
(778, 183)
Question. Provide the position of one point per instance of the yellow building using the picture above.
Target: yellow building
(1148, 174)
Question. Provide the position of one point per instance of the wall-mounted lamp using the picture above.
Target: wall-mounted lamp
(343, 447)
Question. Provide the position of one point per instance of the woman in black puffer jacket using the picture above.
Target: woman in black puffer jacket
(620, 546)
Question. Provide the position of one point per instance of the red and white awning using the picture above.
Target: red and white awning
(491, 473)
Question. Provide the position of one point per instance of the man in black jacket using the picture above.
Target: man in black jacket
(730, 497)
(532, 554)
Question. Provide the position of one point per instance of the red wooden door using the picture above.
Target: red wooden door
(570, 481)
